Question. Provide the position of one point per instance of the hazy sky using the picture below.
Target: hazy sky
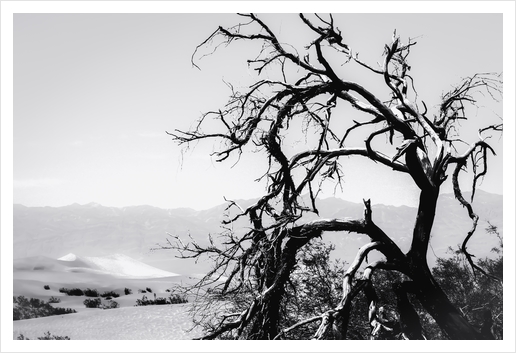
(94, 94)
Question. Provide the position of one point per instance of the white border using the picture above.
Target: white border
(8, 8)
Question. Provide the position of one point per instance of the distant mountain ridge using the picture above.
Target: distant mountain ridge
(95, 230)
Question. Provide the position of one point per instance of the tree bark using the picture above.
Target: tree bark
(265, 326)
(427, 290)
(437, 304)
(409, 319)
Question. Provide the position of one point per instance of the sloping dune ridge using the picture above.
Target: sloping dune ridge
(42, 277)
(117, 265)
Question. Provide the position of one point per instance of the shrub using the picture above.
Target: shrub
(167, 290)
(110, 294)
(142, 302)
(148, 290)
(36, 303)
(54, 300)
(61, 311)
(91, 293)
(111, 304)
(160, 301)
(128, 291)
(177, 299)
(46, 336)
(32, 308)
(74, 291)
(173, 299)
(92, 303)
(46, 286)
(142, 291)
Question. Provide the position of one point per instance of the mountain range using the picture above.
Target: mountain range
(93, 230)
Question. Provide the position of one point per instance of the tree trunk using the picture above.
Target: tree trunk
(409, 319)
(280, 263)
(437, 304)
(265, 325)
(427, 290)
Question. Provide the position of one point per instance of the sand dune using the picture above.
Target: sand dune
(38, 263)
(108, 273)
(117, 265)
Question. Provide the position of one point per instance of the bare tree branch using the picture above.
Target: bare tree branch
(256, 262)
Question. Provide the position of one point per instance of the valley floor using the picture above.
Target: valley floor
(156, 322)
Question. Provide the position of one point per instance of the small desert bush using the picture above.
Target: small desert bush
(74, 291)
(128, 291)
(111, 304)
(174, 299)
(160, 301)
(54, 300)
(32, 308)
(110, 294)
(148, 290)
(177, 299)
(91, 293)
(46, 336)
(142, 302)
(46, 286)
(92, 303)
(142, 291)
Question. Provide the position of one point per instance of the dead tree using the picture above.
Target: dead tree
(308, 88)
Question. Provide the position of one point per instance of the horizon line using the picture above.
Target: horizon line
(224, 203)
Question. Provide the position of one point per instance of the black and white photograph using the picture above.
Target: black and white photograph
(296, 173)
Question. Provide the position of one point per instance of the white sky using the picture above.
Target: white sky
(94, 94)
